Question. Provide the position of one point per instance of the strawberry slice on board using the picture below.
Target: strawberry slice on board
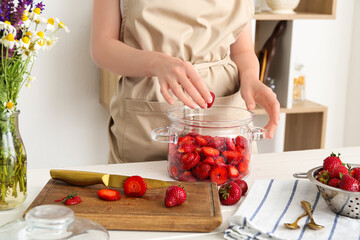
(135, 186)
(109, 194)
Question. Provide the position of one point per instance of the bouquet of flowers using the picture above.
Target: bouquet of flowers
(23, 33)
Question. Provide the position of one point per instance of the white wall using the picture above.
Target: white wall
(352, 127)
(63, 124)
(61, 120)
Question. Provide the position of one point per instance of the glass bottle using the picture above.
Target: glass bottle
(53, 222)
(299, 83)
(12, 162)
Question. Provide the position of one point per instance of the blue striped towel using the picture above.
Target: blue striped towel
(271, 203)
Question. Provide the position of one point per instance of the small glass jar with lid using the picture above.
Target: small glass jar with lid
(299, 83)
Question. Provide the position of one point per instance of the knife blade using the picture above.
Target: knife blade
(85, 178)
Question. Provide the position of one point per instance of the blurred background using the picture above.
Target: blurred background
(62, 122)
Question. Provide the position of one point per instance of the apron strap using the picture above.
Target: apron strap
(224, 61)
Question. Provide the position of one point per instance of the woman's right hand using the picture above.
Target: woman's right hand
(182, 79)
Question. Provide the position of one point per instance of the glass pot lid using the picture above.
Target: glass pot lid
(216, 117)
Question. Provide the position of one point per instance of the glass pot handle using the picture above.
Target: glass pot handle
(162, 134)
(258, 133)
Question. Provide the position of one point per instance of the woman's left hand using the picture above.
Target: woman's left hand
(255, 92)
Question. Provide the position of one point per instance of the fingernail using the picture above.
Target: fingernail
(204, 105)
(209, 99)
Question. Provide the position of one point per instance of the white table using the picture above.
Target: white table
(263, 166)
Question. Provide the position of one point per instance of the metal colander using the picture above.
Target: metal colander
(340, 201)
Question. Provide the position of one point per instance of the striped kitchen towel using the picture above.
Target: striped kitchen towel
(271, 203)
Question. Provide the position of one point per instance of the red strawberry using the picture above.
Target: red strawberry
(135, 186)
(220, 162)
(243, 167)
(230, 193)
(174, 171)
(232, 157)
(230, 145)
(233, 172)
(186, 148)
(201, 141)
(190, 160)
(243, 185)
(192, 134)
(210, 152)
(71, 199)
(209, 160)
(241, 142)
(109, 194)
(218, 175)
(355, 173)
(217, 143)
(208, 138)
(187, 176)
(213, 99)
(349, 183)
(334, 182)
(174, 196)
(202, 171)
(335, 173)
(332, 162)
(185, 139)
(323, 176)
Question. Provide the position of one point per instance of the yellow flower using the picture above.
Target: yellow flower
(63, 26)
(50, 25)
(9, 42)
(25, 42)
(9, 106)
(35, 14)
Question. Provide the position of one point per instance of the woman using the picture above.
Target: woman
(172, 52)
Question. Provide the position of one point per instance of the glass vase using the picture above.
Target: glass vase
(12, 162)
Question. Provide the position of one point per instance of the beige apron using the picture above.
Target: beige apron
(198, 31)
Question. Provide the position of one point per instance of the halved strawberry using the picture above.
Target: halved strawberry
(190, 160)
(187, 176)
(135, 186)
(219, 162)
(243, 167)
(202, 171)
(201, 141)
(210, 152)
(218, 175)
(186, 148)
(241, 142)
(193, 134)
(233, 172)
(232, 157)
(209, 160)
(213, 99)
(185, 139)
(218, 143)
(109, 194)
(174, 171)
(230, 145)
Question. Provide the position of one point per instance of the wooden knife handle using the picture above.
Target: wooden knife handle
(78, 178)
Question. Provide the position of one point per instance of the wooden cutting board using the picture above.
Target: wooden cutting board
(199, 213)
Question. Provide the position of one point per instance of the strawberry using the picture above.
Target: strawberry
(229, 193)
(210, 152)
(218, 175)
(241, 142)
(217, 143)
(208, 138)
(220, 162)
(334, 182)
(174, 196)
(71, 199)
(349, 183)
(193, 134)
(243, 185)
(174, 171)
(355, 173)
(230, 145)
(232, 157)
(213, 99)
(323, 176)
(185, 139)
(209, 160)
(335, 173)
(243, 167)
(187, 176)
(201, 141)
(332, 162)
(109, 194)
(190, 160)
(233, 172)
(186, 148)
(202, 171)
(135, 186)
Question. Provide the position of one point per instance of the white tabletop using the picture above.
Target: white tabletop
(263, 166)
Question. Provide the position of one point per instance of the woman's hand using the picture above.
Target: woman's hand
(182, 79)
(255, 92)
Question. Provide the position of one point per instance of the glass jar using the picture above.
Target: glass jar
(212, 144)
(299, 83)
(53, 222)
(12, 162)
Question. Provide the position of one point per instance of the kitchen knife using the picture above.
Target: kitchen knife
(83, 178)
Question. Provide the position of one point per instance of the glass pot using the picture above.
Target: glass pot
(212, 144)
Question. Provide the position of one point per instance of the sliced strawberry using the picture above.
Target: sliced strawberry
(213, 99)
(187, 176)
(201, 141)
(109, 194)
(243, 167)
(210, 152)
(230, 145)
(185, 139)
(219, 162)
(186, 148)
(208, 138)
(202, 171)
(218, 175)
(190, 160)
(218, 143)
(192, 134)
(233, 172)
(135, 186)
(209, 160)
(174, 171)
(232, 157)
(241, 142)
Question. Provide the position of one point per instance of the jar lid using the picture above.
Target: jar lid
(50, 216)
(218, 116)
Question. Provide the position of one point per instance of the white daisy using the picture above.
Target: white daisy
(9, 41)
